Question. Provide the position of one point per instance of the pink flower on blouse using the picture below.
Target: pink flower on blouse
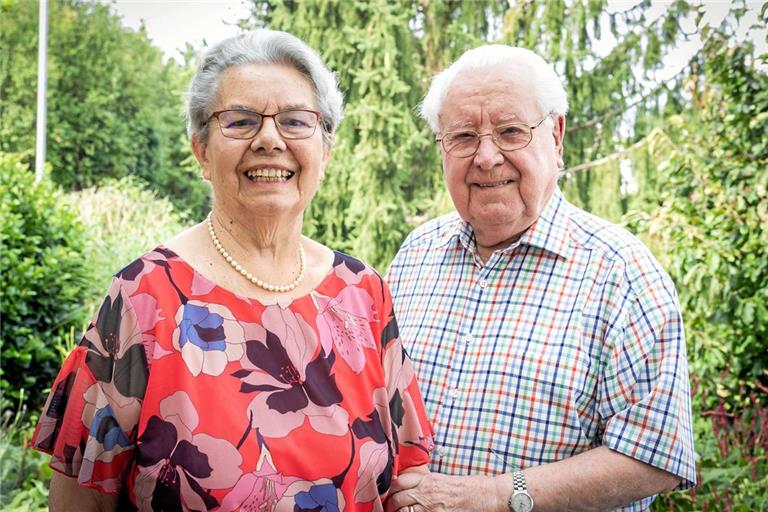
(260, 490)
(344, 321)
(291, 379)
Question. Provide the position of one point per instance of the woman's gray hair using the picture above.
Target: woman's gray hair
(261, 46)
(547, 86)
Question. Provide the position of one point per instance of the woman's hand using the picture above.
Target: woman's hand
(65, 494)
(434, 492)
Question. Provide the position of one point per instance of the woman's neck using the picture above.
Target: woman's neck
(258, 238)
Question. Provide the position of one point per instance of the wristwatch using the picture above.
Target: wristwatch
(520, 500)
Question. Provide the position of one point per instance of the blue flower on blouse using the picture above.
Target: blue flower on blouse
(201, 328)
(106, 430)
(321, 497)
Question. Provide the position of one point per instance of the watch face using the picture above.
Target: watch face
(521, 502)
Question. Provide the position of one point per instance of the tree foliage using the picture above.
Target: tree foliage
(114, 106)
(386, 173)
(710, 229)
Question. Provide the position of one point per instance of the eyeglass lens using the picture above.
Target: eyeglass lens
(507, 137)
(244, 124)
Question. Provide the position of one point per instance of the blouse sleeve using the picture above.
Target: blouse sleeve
(411, 431)
(89, 422)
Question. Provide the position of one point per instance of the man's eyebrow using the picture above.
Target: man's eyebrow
(459, 125)
(509, 118)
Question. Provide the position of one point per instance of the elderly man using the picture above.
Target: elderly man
(548, 342)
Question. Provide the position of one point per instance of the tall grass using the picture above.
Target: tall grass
(123, 220)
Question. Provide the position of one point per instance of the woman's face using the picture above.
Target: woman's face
(267, 175)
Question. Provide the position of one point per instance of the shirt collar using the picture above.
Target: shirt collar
(549, 232)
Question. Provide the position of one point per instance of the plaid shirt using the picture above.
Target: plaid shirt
(568, 339)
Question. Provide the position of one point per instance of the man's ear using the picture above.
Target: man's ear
(200, 151)
(558, 133)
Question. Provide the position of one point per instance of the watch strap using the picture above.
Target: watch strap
(520, 500)
(518, 481)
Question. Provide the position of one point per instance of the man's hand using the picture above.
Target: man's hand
(433, 492)
(595, 480)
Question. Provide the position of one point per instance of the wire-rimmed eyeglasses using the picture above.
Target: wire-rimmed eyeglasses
(245, 124)
(508, 137)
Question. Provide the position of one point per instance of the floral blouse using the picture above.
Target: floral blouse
(185, 396)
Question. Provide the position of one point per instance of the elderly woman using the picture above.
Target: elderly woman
(242, 366)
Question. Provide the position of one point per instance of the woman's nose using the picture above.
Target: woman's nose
(268, 138)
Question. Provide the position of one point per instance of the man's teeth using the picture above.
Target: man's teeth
(268, 174)
(494, 184)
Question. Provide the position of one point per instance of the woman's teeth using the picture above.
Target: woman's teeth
(268, 175)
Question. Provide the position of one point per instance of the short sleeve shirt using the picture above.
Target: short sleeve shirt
(184, 396)
(568, 339)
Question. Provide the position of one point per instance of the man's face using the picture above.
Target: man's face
(500, 193)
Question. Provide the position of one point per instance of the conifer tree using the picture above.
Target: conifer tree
(385, 176)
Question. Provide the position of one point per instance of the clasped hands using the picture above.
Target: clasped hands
(416, 491)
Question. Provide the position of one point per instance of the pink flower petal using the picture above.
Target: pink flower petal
(179, 410)
(272, 423)
(296, 335)
(373, 460)
(332, 420)
(201, 285)
(147, 313)
(223, 458)
(240, 492)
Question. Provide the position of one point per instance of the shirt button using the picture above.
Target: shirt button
(455, 393)
(467, 338)
(482, 283)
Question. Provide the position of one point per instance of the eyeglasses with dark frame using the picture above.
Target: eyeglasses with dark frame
(507, 137)
(245, 124)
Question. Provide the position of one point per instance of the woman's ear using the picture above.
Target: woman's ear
(200, 151)
(326, 157)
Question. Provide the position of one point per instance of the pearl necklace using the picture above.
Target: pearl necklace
(255, 280)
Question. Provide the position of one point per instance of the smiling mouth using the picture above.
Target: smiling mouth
(269, 175)
(494, 184)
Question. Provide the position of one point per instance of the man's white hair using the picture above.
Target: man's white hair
(547, 86)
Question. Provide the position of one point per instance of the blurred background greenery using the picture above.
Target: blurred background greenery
(678, 160)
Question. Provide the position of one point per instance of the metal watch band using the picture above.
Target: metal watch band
(518, 481)
(520, 500)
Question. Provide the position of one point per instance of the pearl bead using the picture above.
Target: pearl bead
(258, 282)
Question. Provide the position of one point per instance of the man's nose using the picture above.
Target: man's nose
(488, 153)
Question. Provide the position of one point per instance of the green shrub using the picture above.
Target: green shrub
(123, 220)
(711, 222)
(42, 273)
(24, 473)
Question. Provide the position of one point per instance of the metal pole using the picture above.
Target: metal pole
(42, 86)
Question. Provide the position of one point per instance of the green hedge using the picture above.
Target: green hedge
(42, 272)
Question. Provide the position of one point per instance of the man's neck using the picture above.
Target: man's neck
(487, 246)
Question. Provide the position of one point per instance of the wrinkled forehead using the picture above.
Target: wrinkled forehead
(488, 96)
